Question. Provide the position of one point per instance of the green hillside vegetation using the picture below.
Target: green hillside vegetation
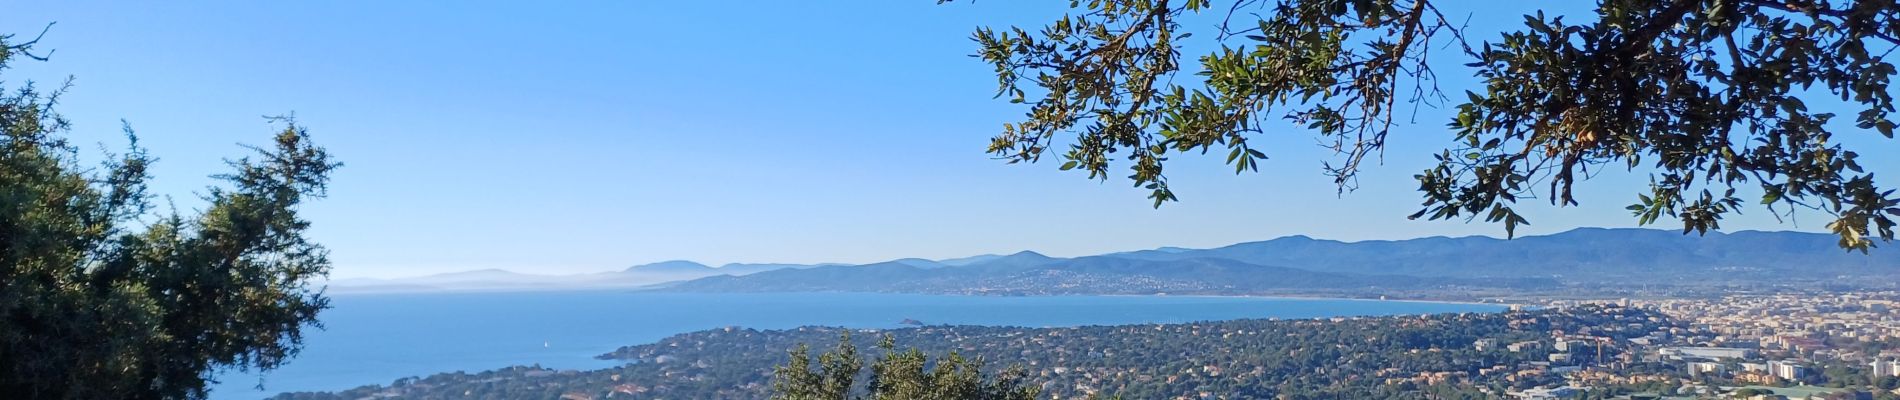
(1361, 358)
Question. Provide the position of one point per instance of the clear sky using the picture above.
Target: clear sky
(597, 135)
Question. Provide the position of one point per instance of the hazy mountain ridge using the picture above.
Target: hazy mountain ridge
(753, 268)
(671, 267)
(638, 276)
(1587, 255)
(1084, 275)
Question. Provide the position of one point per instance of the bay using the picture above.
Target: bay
(378, 338)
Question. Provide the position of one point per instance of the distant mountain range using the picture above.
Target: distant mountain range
(1034, 274)
(499, 280)
(1581, 255)
(1591, 256)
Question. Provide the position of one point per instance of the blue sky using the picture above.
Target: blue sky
(597, 135)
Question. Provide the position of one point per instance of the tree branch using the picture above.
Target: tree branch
(1661, 22)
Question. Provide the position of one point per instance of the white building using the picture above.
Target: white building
(1547, 394)
(1717, 353)
(1787, 370)
(1886, 368)
(1703, 368)
(1755, 367)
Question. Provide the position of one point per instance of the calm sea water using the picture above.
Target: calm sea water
(377, 338)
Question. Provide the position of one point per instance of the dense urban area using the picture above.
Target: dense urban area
(1818, 345)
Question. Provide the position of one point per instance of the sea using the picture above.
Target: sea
(378, 338)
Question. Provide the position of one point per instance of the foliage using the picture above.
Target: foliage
(897, 375)
(839, 368)
(97, 302)
(1707, 94)
(1344, 358)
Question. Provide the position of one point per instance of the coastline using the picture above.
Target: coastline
(1283, 296)
(362, 329)
(1322, 297)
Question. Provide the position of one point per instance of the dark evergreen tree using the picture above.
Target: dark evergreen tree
(102, 298)
(896, 375)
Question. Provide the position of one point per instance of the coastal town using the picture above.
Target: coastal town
(1790, 345)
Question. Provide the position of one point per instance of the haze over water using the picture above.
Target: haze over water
(377, 338)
